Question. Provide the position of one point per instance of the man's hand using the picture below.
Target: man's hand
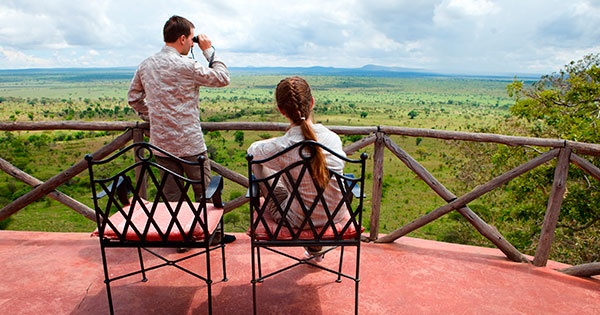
(203, 42)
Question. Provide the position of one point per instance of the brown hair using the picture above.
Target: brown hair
(294, 100)
(175, 27)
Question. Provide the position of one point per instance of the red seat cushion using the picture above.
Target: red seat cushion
(306, 234)
(162, 217)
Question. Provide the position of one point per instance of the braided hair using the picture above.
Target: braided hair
(294, 100)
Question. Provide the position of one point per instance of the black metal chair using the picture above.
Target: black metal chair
(267, 234)
(143, 224)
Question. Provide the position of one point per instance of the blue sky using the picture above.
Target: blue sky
(450, 36)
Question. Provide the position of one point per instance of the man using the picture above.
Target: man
(164, 91)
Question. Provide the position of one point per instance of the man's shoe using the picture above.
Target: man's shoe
(226, 239)
(182, 249)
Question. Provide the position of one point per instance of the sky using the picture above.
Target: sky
(447, 36)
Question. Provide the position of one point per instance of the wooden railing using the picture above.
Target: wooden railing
(379, 136)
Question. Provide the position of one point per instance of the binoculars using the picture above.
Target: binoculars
(195, 39)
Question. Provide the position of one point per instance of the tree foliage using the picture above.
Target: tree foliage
(568, 102)
(563, 105)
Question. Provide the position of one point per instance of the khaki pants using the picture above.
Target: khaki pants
(171, 190)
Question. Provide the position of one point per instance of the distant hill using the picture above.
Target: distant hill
(82, 74)
(69, 74)
(365, 71)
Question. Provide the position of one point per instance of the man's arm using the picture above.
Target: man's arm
(216, 74)
(136, 97)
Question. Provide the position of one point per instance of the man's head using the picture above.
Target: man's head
(178, 33)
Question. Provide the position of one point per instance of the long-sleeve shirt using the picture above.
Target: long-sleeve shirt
(164, 91)
(266, 148)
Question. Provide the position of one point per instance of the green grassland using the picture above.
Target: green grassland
(448, 103)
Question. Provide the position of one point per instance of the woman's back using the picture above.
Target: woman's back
(307, 189)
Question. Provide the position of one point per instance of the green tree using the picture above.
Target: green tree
(562, 105)
(418, 140)
(568, 102)
(412, 114)
(239, 137)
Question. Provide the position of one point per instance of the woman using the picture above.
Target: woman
(295, 102)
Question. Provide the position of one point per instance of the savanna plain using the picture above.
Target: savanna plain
(455, 103)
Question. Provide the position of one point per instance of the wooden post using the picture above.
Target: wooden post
(138, 136)
(470, 196)
(485, 229)
(55, 194)
(62, 177)
(553, 210)
(377, 184)
(584, 270)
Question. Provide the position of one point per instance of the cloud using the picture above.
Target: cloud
(461, 36)
(577, 24)
(14, 59)
(460, 9)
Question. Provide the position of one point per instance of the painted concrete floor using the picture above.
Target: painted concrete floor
(61, 273)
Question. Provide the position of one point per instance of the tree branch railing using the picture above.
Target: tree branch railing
(378, 136)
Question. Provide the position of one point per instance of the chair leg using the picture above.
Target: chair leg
(339, 279)
(253, 279)
(259, 264)
(356, 298)
(107, 280)
(357, 279)
(208, 279)
(144, 279)
(223, 251)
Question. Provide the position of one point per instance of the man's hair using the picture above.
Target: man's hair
(175, 27)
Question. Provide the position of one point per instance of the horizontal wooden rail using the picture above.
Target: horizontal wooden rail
(581, 147)
(72, 125)
(473, 136)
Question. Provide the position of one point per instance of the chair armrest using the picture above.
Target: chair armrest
(214, 190)
(123, 184)
(256, 191)
(355, 188)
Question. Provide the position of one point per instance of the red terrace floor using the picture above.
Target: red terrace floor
(61, 273)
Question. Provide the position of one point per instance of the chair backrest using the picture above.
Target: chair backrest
(138, 219)
(333, 204)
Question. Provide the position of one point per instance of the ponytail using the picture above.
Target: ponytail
(318, 163)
